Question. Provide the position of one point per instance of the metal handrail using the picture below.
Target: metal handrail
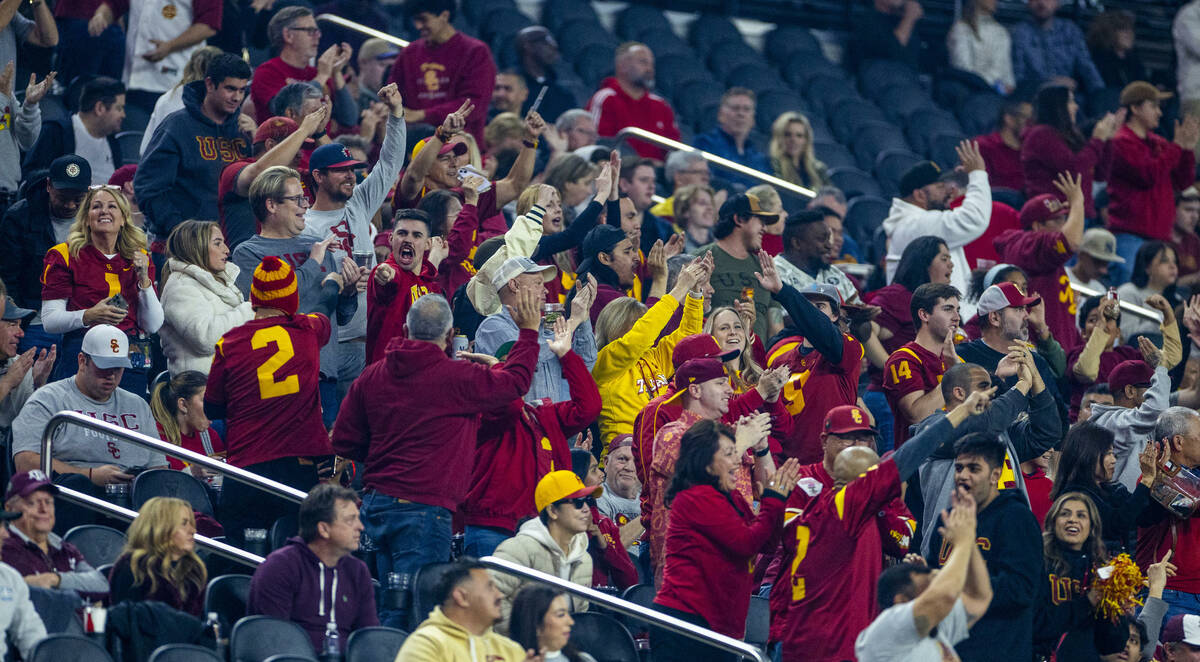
(642, 134)
(359, 27)
(692, 631)
(63, 418)
(1140, 311)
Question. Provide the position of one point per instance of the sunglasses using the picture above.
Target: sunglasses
(578, 502)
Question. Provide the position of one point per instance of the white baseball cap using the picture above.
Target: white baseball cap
(108, 346)
(515, 266)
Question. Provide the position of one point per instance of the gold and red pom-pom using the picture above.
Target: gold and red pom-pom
(1118, 583)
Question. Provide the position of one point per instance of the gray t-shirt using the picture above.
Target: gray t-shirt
(893, 637)
(15, 33)
(12, 403)
(618, 508)
(86, 448)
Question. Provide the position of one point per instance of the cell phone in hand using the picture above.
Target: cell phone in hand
(118, 301)
(538, 101)
(133, 471)
(467, 171)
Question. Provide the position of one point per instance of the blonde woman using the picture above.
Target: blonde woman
(173, 99)
(695, 215)
(159, 561)
(200, 297)
(102, 274)
(791, 152)
(729, 329)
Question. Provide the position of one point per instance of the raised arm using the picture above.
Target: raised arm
(936, 602)
(284, 151)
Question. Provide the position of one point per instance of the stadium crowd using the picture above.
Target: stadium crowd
(427, 289)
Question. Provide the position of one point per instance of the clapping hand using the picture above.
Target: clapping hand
(35, 91)
(1187, 133)
(604, 182)
(1072, 187)
(1150, 354)
(1148, 461)
(527, 311)
(771, 382)
(438, 250)
(581, 305)
(42, 366)
(560, 344)
(752, 431)
(768, 277)
(353, 276)
(656, 261)
(969, 156)
(785, 478)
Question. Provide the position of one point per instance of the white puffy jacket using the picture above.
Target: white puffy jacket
(199, 310)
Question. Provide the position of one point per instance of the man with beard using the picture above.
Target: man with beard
(1003, 322)
(626, 99)
(912, 373)
(739, 232)
(538, 53)
(343, 211)
(41, 219)
(922, 210)
(509, 94)
(1010, 541)
(407, 275)
(807, 253)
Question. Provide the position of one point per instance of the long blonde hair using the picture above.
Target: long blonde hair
(197, 65)
(130, 238)
(188, 243)
(149, 549)
(748, 371)
(164, 401)
(784, 167)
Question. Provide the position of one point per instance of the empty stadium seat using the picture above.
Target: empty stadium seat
(557, 12)
(850, 115)
(73, 647)
(475, 10)
(725, 57)
(502, 24)
(825, 91)
(773, 103)
(942, 148)
(131, 146)
(802, 67)
(871, 138)
(603, 637)
(171, 483)
(834, 155)
(184, 653)
(374, 643)
(635, 19)
(864, 215)
(758, 78)
(98, 544)
(921, 126)
(674, 71)
(709, 30)
(854, 182)
(978, 113)
(784, 41)
(595, 63)
(575, 36)
(227, 596)
(875, 75)
(890, 166)
(258, 638)
(900, 101)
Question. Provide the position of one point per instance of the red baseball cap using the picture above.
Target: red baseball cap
(1001, 296)
(847, 418)
(28, 482)
(1129, 373)
(459, 148)
(698, 346)
(1041, 208)
(275, 128)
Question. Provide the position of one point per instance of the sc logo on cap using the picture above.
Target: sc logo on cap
(72, 170)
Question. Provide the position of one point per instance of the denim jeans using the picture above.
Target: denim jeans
(1127, 247)
(1179, 602)
(480, 541)
(877, 404)
(407, 536)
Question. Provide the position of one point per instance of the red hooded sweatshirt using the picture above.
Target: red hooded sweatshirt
(614, 110)
(387, 305)
(521, 443)
(1146, 173)
(413, 417)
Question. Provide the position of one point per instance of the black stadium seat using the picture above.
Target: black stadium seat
(183, 653)
(725, 57)
(854, 182)
(773, 103)
(577, 35)
(374, 643)
(900, 101)
(258, 638)
(98, 544)
(595, 63)
(557, 12)
(834, 155)
(942, 149)
(635, 19)
(710, 30)
(851, 115)
(756, 77)
(890, 166)
(171, 483)
(783, 42)
(758, 621)
(227, 596)
(423, 584)
(864, 215)
(871, 138)
(924, 124)
(603, 637)
(73, 647)
(502, 24)
(978, 112)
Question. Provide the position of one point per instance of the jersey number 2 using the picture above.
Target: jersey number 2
(268, 386)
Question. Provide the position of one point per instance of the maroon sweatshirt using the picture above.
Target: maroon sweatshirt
(387, 305)
(413, 417)
(521, 443)
(1044, 154)
(437, 79)
(1146, 173)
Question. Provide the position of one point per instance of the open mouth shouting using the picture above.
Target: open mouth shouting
(406, 255)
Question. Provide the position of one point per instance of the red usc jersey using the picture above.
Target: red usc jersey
(839, 545)
(86, 279)
(894, 522)
(910, 369)
(816, 386)
(266, 374)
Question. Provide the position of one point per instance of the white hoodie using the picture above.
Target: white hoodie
(533, 548)
(199, 309)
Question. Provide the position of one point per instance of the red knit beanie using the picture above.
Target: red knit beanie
(274, 286)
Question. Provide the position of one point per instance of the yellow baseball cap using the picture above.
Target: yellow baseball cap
(559, 485)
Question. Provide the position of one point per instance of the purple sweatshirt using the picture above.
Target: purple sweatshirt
(292, 584)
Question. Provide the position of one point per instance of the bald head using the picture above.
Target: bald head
(853, 462)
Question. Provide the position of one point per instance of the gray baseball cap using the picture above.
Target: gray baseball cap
(1100, 244)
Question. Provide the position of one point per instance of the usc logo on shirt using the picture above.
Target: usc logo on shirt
(222, 149)
(1063, 589)
(982, 543)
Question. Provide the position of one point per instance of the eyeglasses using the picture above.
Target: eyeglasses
(299, 200)
(314, 30)
(697, 172)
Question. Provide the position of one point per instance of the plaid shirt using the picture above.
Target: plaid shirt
(1057, 49)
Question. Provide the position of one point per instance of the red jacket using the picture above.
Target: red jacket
(270, 77)
(387, 305)
(1044, 154)
(611, 564)
(457, 268)
(520, 443)
(711, 544)
(614, 110)
(1145, 175)
(437, 79)
(413, 417)
(657, 414)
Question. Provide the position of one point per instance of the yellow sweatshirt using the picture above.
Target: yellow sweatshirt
(632, 370)
(440, 639)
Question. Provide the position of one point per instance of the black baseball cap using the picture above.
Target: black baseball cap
(70, 173)
(919, 176)
(747, 204)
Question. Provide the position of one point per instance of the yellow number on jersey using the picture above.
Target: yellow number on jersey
(901, 371)
(802, 534)
(793, 392)
(268, 386)
(1066, 294)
